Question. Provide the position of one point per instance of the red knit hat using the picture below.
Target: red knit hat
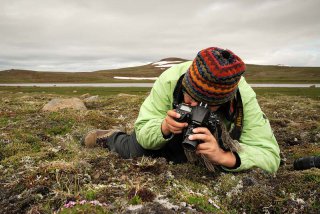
(213, 76)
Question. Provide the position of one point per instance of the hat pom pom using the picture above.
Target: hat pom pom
(225, 54)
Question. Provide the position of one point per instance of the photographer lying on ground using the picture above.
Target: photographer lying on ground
(200, 111)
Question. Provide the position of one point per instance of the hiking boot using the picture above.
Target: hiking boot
(98, 137)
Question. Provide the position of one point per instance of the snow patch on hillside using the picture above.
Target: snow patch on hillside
(165, 64)
(162, 64)
(283, 65)
(135, 78)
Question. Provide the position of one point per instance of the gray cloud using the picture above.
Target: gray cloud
(79, 35)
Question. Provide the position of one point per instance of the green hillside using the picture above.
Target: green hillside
(254, 74)
(282, 74)
(103, 76)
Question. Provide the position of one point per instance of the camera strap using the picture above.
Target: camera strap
(177, 93)
(238, 119)
(220, 141)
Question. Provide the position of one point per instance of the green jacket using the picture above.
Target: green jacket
(259, 147)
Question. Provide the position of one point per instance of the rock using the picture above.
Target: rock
(57, 104)
(93, 102)
(183, 204)
(317, 137)
(148, 208)
(91, 99)
(83, 96)
(213, 203)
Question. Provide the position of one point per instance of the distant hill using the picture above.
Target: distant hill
(282, 74)
(149, 72)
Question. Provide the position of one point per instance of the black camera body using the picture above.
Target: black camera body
(196, 116)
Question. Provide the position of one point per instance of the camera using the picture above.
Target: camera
(195, 116)
(307, 163)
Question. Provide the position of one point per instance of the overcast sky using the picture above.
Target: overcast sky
(88, 35)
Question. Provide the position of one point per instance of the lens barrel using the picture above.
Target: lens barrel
(190, 144)
(307, 163)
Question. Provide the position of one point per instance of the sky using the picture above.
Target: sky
(89, 35)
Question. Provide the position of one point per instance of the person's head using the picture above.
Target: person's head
(213, 77)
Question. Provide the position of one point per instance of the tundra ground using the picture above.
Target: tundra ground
(45, 169)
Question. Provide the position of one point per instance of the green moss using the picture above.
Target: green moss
(316, 205)
(31, 139)
(312, 177)
(4, 121)
(59, 123)
(99, 120)
(84, 208)
(16, 148)
(58, 130)
(135, 200)
(253, 198)
(201, 203)
(307, 151)
(91, 195)
(227, 182)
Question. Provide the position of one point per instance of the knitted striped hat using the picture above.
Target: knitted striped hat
(213, 76)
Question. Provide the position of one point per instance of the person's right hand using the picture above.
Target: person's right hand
(170, 125)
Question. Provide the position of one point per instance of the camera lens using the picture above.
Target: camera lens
(190, 144)
(307, 163)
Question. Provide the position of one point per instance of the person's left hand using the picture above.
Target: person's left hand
(210, 148)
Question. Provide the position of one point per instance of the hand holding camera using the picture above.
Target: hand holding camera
(198, 135)
(197, 124)
(170, 124)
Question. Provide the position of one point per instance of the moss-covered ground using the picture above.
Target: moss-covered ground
(45, 169)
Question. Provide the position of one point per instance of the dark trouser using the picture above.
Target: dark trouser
(127, 146)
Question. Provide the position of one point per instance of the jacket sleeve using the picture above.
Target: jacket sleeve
(152, 112)
(259, 147)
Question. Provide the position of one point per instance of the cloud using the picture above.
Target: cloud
(79, 35)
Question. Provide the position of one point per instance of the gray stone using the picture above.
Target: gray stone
(58, 104)
(91, 99)
(317, 137)
(83, 96)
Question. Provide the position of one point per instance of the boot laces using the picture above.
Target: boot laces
(102, 141)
